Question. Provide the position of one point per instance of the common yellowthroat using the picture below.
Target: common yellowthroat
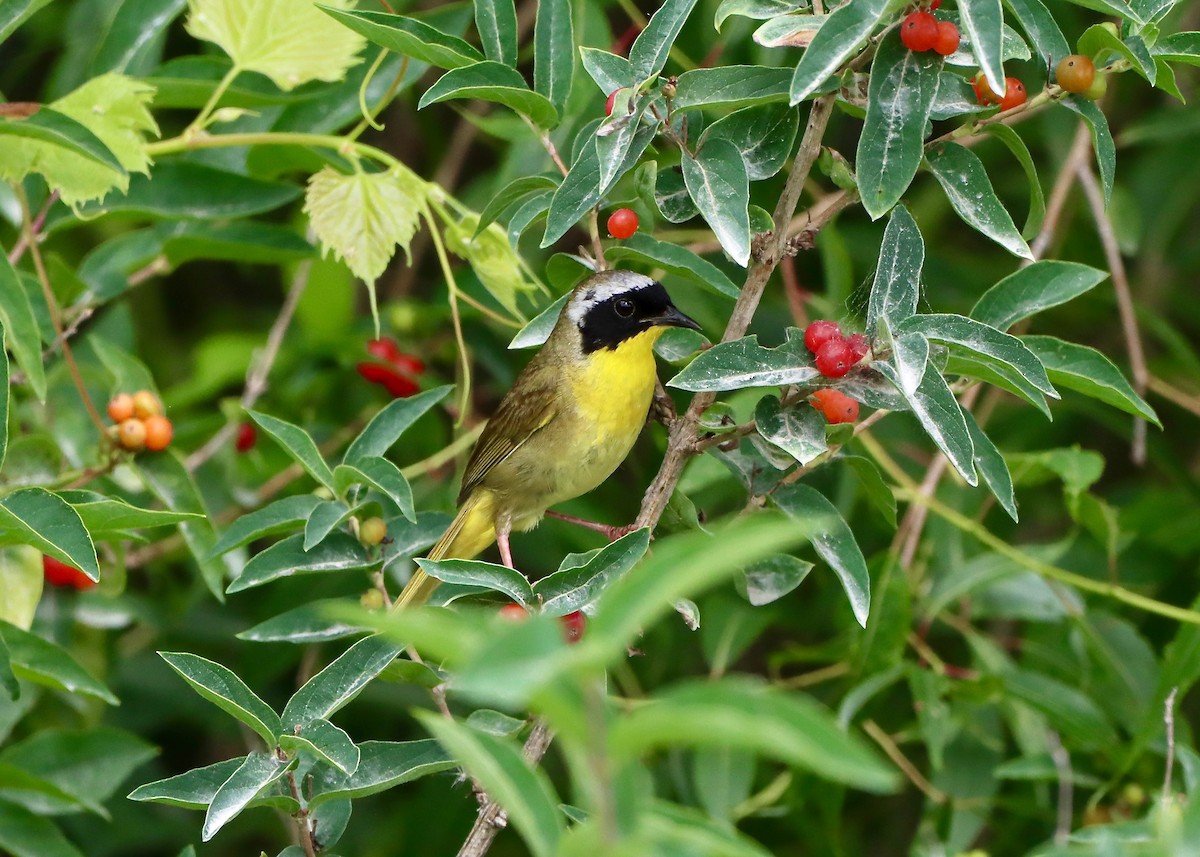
(570, 418)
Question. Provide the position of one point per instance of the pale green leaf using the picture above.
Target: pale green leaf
(116, 109)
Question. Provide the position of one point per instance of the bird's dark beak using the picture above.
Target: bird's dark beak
(672, 317)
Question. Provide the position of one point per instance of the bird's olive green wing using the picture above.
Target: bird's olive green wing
(523, 413)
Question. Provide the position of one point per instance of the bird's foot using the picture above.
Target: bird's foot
(609, 531)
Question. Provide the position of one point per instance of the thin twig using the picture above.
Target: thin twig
(1066, 788)
(23, 241)
(1169, 723)
(1173, 394)
(902, 762)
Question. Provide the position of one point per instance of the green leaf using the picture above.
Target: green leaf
(522, 790)
(574, 586)
(257, 772)
(108, 517)
(324, 741)
(116, 109)
(338, 552)
(966, 184)
(71, 158)
(362, 217)
(23, 834)
(833, 540)
(1098, 41)
(43, 662)
(308, 623)
(1085, 370)
(245, 241)
(473, 572)
(21, 581)
(408, 36)
(554, 53)
(516, 191)
(1179, 47)
(743, 713)
(290, 49)
(382, 765)
(675, 259)
(744, 363)
(772, 578)
(992, 467)
(1030, 290)
(897, 285)
(718, 183)
(220, 686)
(1067, 709)
(538, 330)
(325, 516)
(335, 686)
(614, 144)
(579, 191)
(1102, 141)
(757, 9)
(900, 95)
(20, 332)
(276, 517)
(983, 341)
(764, 135)
(385, 428)
(730, 86)
(191, 790)
(844, 31)
(13, 13)
(799, 431)
(609, 71)
(496, 22)
(878, 494)
(383, 476)
(297, 443)
(983, 23)
(650, 49)
(496, 82)
(1037, 22)
(34, 516)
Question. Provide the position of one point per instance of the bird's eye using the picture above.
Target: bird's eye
(624, 307)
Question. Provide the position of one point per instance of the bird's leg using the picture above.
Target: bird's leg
(503, 528)
(609, 531)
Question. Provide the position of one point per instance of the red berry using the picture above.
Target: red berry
(397, 384)
(409, 363)
(984, 93)
(947, 39)
(1076, 73)
(622, 223)
(834, 358)
(513, 613)
(919, 31)
(573, 625)
(158, 432)
(120, 408)
(60, 574)
(820, 332)
(934, 5)
(247, 436)
(1014, 94)
(859, 345)
(835, 405)
(384, 349)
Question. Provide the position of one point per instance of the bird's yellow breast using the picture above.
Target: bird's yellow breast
(613, 387)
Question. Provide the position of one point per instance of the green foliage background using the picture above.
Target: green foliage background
(990, 703)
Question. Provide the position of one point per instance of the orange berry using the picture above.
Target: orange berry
(622, 223)
(131, 434)
(1014, 94)
(984, 93)
(513, 613)
(159, 432)
(1076, 73)
(120, 408)
(947, 39)
(146, 404)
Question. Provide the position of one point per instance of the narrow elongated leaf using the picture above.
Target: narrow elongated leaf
(538, 330)
(473, 572)
(983, 22)
(574, 587)
(1102, 141)
(382, 765)
(326, 742)
(323, 519)
(385, 428)
(900, 96)
(676, 259)
(910, 356)
(298, 444)
(983, 340)
(105, 516)
(496, 22)
(1037, 22)
(554, 51)
(966, 184)
(969, 365)
(878, 494)
(34, 516)
(731, 86)
(839, 38)
(942, 418)
(718, 183)
(496, 82)
(408, 36)
(1085, 370)
(308, 623)
(191, 790)
(383, 476)
(772, 578)
(523, 791)
(1068, 709)
(1040, 286)
(833, 541)
(257, 772)
(1179, 47)
(787, 727)
(992, 467)
(609, 71)
(220, 686)
(276, 517)
(333, 687)
(339, 552)
(51, 128)
(897, 285)
(14, 12)
(20, 330)
(799, 430)
(764, 135)
(744, 363)
(24, 834)
(614, 151)
(516, 191)
(650, 49)
(43, 662)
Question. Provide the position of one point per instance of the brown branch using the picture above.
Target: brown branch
(1189, 402)
(888, 745)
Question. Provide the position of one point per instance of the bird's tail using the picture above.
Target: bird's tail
(472, 530)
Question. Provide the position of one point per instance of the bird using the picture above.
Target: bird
(569, 420)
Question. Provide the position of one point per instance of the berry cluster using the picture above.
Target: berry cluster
(1014, 94)
(138, 421)
(622, 223)
(60, 574)
(835, 405)
(921, 32)
(573, 624)
(392, 368)
(836, 354)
